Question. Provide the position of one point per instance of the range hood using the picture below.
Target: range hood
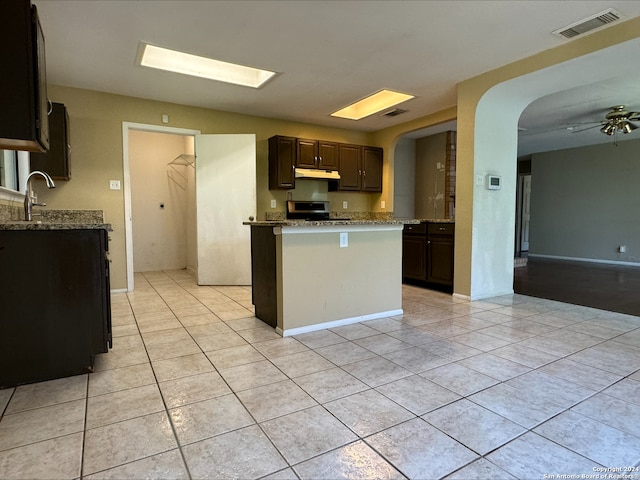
(314, 173)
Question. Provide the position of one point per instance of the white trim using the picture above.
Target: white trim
(11, 195)
(128, 227)
(319, 228)
(118, 290)
(483, 296)
(462, 297)
(588, 260)
(337, 323)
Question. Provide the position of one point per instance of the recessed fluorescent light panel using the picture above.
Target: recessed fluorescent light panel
(197, 66)
(372, 104)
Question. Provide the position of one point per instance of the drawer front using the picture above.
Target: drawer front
(417, 229)
(441, 228)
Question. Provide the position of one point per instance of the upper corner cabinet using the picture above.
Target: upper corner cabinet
(24, 124)
(57, 161)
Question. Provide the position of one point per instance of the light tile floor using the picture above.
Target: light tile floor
(196, 387)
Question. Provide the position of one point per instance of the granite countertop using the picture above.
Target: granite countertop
(436, 220)
(306, 223)
(23, 225)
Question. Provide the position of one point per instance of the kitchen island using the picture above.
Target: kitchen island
(311, 275)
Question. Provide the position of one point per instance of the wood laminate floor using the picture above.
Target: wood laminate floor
(607, 287)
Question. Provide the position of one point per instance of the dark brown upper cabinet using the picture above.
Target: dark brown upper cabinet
(23, 97)
(350, 167)
(371, 169)
(282, 161)
(317, 154)
(360, 168)
(57, 161)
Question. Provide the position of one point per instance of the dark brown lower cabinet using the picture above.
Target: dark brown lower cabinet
(414, 252)
(55, 307)
(440, 253)
(427, 254)
(263, 274)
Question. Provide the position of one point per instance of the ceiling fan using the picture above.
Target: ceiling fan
(617, 120)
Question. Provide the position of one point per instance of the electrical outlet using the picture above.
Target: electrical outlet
(345, 204)
(273, 203)
(383, 204)
(479, 179)
(622, 248)
(344, 239)
(114, 184)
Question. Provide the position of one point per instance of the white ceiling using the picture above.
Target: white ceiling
(329, 54)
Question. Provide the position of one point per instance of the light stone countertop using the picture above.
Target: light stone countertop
(307, 223)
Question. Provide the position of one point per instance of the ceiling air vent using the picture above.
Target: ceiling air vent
(394, 113)
(590, 23)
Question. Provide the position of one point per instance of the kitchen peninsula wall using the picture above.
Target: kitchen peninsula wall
(96, 137)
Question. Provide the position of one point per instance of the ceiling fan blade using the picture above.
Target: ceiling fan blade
(578, 130)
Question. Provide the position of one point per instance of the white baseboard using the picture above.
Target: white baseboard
(483, 296)
(588, 260)
(337, 323)
(119, 290)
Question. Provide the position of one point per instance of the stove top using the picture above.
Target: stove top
(310, 210)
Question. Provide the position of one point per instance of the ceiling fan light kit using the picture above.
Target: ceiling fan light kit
(618, 119)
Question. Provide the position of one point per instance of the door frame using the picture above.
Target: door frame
(128, 220)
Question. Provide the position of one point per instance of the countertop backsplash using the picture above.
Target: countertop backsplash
(15, 213)
(356, 216)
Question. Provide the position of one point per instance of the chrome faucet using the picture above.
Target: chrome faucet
(28, 204)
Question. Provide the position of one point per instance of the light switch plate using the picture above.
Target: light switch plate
(479, 179)
(114, 184)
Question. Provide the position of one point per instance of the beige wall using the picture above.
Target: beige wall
(96, 139)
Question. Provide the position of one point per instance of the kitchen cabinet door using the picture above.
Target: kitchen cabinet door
(282, 160)
(371, 169)
(414, 257)
(440, 253)
(24, 124)
(350, 170)
(307, 153)
(327, 155)
(54, 323)
(316, 154)
(56, 162)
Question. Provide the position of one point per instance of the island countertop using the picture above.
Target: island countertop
(324, 223)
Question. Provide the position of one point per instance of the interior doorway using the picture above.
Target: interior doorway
(205, 185)
(153, 204)
(162, 200)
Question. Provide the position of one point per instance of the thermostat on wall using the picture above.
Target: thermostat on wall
(494, 182)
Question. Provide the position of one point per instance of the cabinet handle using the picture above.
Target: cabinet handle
(441, 229)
